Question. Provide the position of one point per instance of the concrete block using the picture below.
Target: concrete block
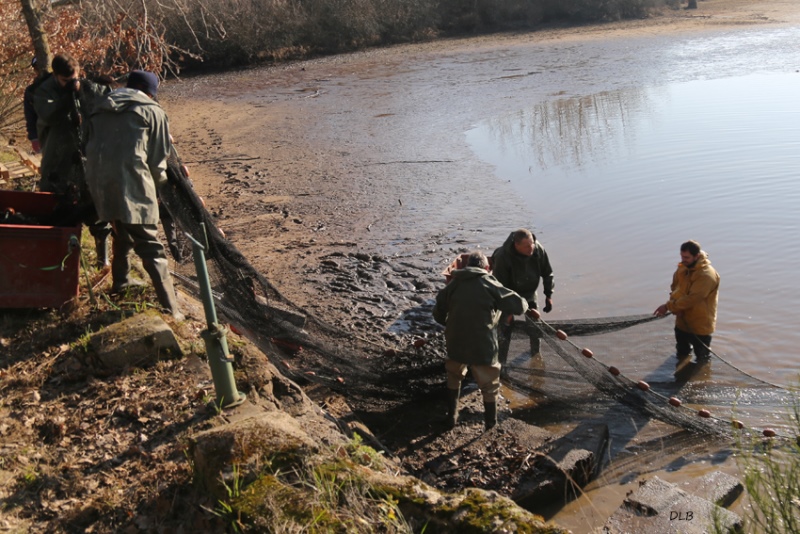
(658, 507)
(564, 467)
(718, 487)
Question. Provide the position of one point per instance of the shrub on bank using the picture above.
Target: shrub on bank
(246, 31)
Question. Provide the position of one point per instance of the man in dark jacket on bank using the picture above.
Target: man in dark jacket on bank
(470, 307)
(126, 164)
(62, 104)
(519, 265)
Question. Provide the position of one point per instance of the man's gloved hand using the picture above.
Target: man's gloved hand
(548, 305)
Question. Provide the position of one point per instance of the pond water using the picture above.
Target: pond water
(616, 181)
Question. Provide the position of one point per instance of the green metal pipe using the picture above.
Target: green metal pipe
(214, 337)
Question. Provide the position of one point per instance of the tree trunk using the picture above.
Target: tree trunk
(32, 13)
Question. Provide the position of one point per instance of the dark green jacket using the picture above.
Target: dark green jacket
(62, 116)
(470, 307)
(522, 273)
(126, 156)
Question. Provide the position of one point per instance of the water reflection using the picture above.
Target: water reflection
(571, 132)
(616, 181)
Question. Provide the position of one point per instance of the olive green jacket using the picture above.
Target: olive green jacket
(126, 156)
(693, 297)
(522, 273)
(470, 307)
(61, 126)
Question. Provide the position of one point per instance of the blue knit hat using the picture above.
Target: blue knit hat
(144, 81)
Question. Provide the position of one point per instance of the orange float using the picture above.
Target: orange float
(560, 334)
(588, 353)
(737, 424)
(534, 313)
(644, 386)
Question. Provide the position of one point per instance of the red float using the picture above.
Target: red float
(737, 424)
(704, 413)
(768, 432)
(613, 370)
(534, 313)
(561, 335)
(588, 353)
(644, 386)
(675, 401)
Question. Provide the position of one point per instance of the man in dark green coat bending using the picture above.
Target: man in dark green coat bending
(519, 265)
(470, 307)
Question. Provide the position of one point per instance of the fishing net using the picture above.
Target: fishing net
(630, 360)
(306, 348)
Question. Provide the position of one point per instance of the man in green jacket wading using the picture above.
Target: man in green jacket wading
(519, 265)
(470, 307)
(693, 299)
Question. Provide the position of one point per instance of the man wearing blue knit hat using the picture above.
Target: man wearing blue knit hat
(126, 163)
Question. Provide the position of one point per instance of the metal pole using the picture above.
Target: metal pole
(214, 337)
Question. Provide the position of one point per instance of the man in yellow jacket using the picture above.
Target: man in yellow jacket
(693, 300)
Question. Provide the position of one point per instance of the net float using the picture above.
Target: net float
(675, 401)
(588, 353)
(235, 330)
(560, 334)
(644, 386)
(613, 370)
(419, 342)
(704, 413)
(737, 424)
(768, 432)
(534, 313)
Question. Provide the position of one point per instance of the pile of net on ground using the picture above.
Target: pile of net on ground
(637, 346)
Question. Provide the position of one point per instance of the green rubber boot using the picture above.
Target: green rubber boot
(490, 414)
(452, 407)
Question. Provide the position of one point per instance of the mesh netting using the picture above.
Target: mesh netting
(255, 307)
(631, 360)
(299, 343)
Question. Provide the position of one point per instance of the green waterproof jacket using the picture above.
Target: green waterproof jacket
(522, 273)
(61, 126)
(126, 156)
(470, 307)
(693, 297)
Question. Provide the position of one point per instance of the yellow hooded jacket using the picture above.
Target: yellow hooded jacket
(693, 297)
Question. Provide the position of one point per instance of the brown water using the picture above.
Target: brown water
(617, 180)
